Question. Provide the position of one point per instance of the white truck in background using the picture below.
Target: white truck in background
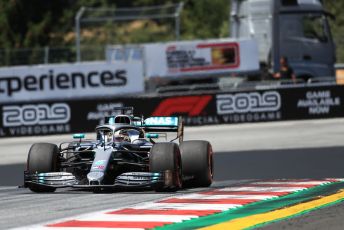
(296, 29)
(262, 31)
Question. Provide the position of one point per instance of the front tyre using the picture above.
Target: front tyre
(197, 162)
(163, 157)
(42, 158)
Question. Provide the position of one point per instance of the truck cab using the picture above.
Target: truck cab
(296, 29)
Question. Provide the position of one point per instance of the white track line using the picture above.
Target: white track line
(219, 197)
(292, 183)
(38, 227)
(137, 218)
(187, 206)
(262, 189)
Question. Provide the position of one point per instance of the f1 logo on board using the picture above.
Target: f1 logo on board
(248, 102)
(40, 114)
(191, 105)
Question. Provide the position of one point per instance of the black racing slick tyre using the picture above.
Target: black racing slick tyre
(42, 158)
(166, 156)
(197, 163)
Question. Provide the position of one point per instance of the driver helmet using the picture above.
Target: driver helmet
(122, 135)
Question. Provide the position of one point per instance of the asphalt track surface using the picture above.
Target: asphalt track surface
(283, 150)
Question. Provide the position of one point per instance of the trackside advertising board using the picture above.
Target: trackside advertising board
(190, 58)
(54, 117)
(196, 58)
(70, 81)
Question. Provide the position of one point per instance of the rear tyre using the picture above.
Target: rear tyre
(166, 156)
(197, 162)
(42, 158)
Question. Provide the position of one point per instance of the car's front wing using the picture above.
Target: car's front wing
(125, 180)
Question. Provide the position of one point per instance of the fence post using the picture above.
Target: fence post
(46, 55)
(77, 32)
(177, 18)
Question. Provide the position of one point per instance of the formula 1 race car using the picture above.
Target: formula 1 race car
(127, 153)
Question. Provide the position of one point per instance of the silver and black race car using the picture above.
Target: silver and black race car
(127, 153)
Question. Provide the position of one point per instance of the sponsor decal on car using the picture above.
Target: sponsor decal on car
(161, 121)
(98, 167)
(100, 162)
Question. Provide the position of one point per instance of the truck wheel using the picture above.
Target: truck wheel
(197, 162)
(42, 158)
(166, 156)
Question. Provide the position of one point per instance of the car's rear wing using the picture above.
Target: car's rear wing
(164, 124)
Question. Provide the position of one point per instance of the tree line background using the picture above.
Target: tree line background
(50, 23)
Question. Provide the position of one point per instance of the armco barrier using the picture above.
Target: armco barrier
(54, 117)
